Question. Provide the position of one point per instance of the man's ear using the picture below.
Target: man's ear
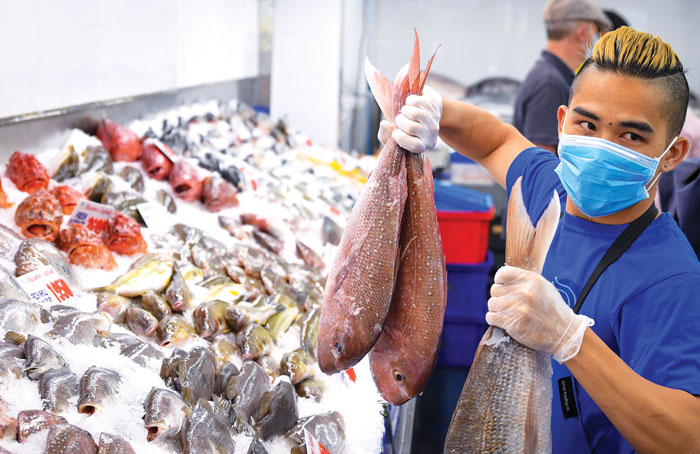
(675, 154)
(561, 114)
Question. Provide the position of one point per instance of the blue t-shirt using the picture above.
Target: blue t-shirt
(646, 306)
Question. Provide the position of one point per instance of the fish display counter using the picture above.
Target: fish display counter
(160, 291)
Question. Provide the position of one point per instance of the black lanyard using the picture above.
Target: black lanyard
(621, 244)
(615, 251)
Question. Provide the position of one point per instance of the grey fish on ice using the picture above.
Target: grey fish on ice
(165, 414)
(276, 412)
(56, 387)
(97, 386)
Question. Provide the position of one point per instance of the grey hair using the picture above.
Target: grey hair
(560, 29)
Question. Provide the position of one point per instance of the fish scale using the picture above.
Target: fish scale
(361, 279)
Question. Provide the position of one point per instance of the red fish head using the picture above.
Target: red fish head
(122, 143)
(27, 173)
(339, 345)
(124, 235)
(399, 377)
(155, 163)
(185, 181)
(67, 197)
(39, 216)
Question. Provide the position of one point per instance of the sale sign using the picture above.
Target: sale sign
(94, 216)
(45, 286)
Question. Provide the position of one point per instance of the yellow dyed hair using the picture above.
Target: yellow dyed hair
(632, 53)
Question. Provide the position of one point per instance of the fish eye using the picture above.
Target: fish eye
(398, 377)
(338, 347)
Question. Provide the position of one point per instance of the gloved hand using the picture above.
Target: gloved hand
(531, 310)
(417, 125)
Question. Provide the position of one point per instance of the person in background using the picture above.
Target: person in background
(573, 27)
(616, 20)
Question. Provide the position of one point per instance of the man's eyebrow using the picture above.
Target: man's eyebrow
(585, 113)
(638, 125)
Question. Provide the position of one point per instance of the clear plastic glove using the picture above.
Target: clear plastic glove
(531, 310)
(417, 125)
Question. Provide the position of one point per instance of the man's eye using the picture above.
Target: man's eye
(631, 136)
(588, 125)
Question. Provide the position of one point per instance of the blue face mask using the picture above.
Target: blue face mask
(602, 177)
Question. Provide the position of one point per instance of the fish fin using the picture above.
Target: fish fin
(15, 338)
(106, 288)
(400, 90)
(424, 74)
(526, 245)
(381, 89)
(414, 67)
(352, 256)
(406, 248)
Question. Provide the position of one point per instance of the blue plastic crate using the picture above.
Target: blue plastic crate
(459, 342)
(467, 291)
(453, 197)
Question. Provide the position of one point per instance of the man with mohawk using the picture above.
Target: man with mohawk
(627, 369)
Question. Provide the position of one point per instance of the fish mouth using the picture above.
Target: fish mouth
(183, 188)
(154, 431)
(39, 230)
(87, 409)
(33, 185)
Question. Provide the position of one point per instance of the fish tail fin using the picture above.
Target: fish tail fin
(414, 67)
(15, 338)
(527, 245)
(381, 89)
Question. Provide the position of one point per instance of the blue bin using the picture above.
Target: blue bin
(453, 197)
(467, 291)
(467, 296)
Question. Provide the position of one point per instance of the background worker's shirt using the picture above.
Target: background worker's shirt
(545, 88)
(646, 306)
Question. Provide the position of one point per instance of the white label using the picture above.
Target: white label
(45, 286)
(94, 216)
(313, 446)
(154, 215)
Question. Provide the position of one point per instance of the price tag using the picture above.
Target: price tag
(155, 216)
(313, 446)
(94, 216)
(45, 286)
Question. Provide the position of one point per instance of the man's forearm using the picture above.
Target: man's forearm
(652, 418)
(480, 136)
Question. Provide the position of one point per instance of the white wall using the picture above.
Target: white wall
(479, 38)
(482, 38)
(59, 53)
(305, 76)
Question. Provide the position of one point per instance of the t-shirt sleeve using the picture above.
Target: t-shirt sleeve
(659, 333)
(539, 123)
(539, 182)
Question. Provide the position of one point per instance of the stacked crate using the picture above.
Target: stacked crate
(464, 216)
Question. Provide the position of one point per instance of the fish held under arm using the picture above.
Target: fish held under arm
(506, 400)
